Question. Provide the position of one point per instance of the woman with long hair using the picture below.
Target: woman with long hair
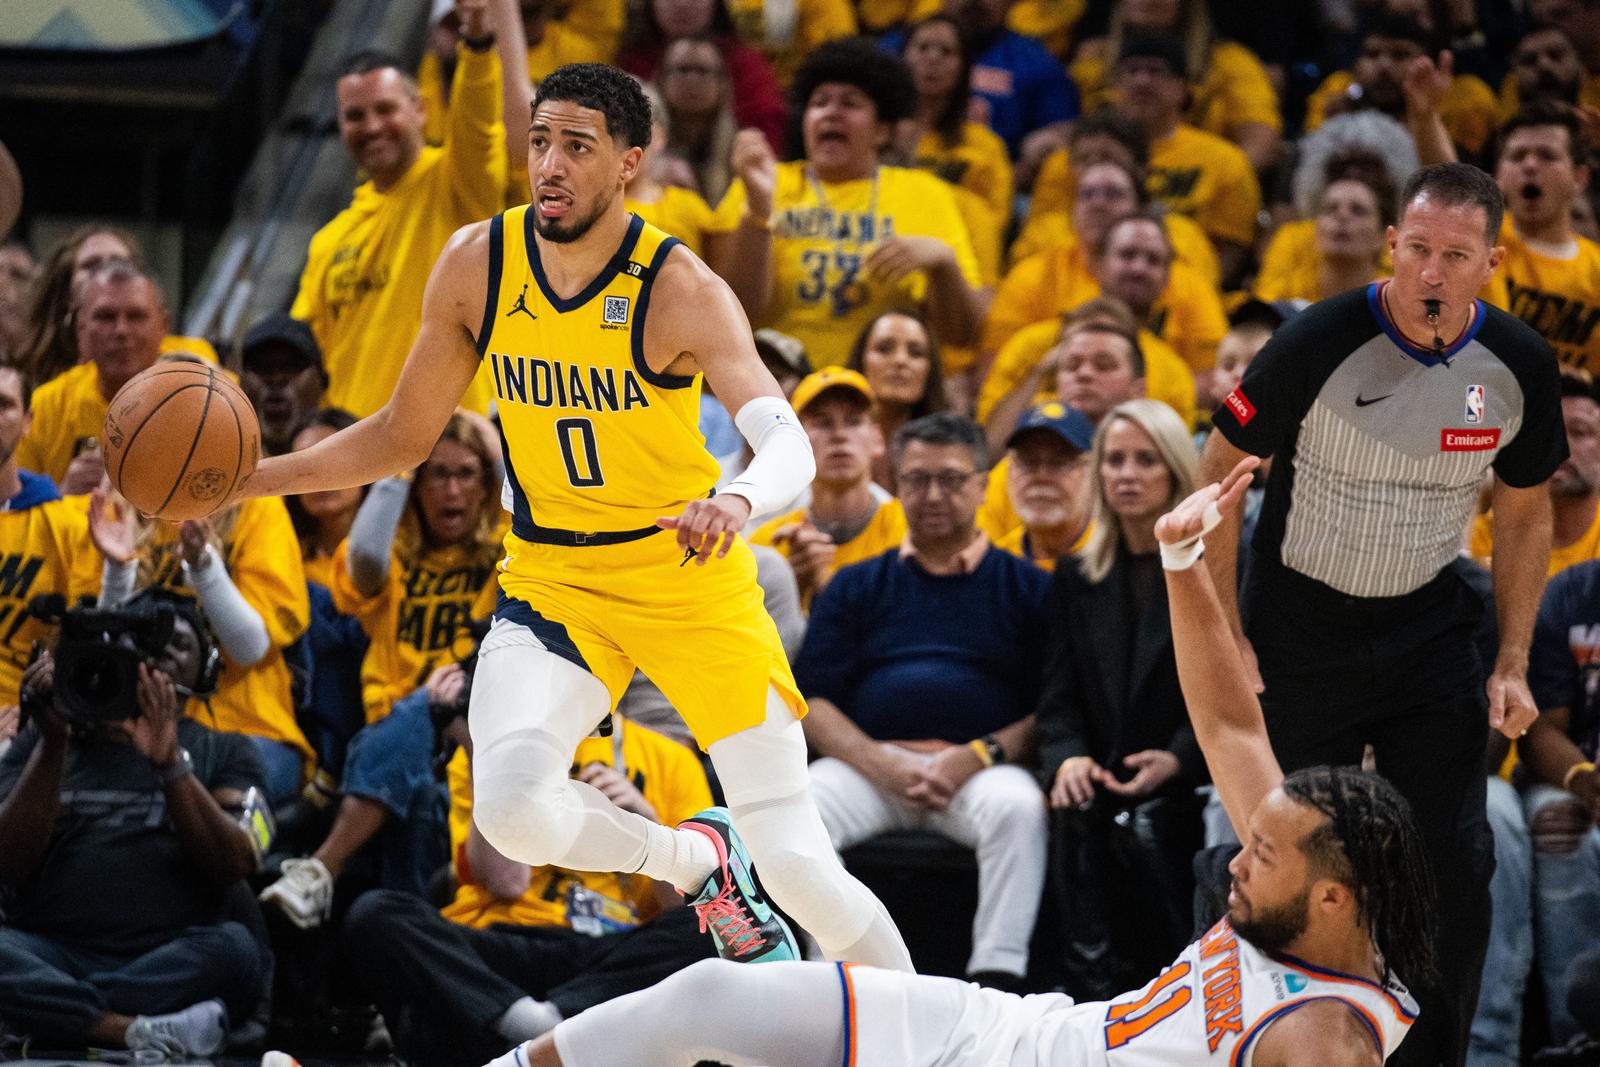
(757, 100)
(1230, 94)
(966, 154)
(1350, 251)
(899, 354)
(1116, 746)
(417, 570)
(697, 99)
(49, 345)
(655, 196)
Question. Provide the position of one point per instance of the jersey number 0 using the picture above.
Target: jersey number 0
(583, 458)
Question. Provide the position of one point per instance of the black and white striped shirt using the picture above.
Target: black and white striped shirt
(1381, 446)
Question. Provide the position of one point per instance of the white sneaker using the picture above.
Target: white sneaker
(304, 892)
(197, 1030)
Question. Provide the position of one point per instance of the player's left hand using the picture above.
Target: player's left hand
(1152, 768)
(899, 256)
(1511, 706)
(709, 526)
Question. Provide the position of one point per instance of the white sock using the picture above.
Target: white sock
(526, 1019)
(681, 858)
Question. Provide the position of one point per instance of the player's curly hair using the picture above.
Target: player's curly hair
(1371, 844)
(606, 89)
(857, 61)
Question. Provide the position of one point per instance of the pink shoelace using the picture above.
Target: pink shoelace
(728, 918)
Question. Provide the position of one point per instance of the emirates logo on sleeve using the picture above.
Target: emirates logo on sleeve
(1469, 440)
(1241, 407)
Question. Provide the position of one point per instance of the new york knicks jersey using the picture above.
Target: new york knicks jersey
(595, 441)
(1209, 1009)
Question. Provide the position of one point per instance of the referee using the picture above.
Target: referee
(1384, 408)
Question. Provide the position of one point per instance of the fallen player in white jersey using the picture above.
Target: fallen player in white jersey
(1329, 906)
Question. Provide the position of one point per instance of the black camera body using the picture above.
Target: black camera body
(98, 654)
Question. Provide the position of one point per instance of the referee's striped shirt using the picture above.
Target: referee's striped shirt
(1380, 445)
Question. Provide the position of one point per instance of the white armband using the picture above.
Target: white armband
(783, 464)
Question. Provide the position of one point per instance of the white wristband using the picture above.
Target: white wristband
(1182, 556)
(783, 464)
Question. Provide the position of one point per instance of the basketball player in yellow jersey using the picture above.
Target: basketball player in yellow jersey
(597, 328)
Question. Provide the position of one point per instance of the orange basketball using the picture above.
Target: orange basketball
(179, 438)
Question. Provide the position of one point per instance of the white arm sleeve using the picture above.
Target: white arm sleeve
(783, 463)
(238, 626)
(116, 582)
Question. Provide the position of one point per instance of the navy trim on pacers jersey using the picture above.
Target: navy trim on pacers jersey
(601, 280)
(491, 299)
(523, 526)
(552, 635)
(1425, 356)
(658, 379)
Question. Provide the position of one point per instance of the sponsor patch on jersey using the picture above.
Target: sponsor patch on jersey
(1241, 407)
(1468, 440)
(616, 311)
(1474, 403)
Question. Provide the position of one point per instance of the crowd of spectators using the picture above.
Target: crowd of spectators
(1007, 258)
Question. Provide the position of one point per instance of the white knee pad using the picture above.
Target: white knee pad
(520, 797)
(530, 709)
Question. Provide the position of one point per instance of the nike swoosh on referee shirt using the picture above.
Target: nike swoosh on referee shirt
(1362, 401)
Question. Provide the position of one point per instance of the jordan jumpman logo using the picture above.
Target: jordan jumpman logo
(521, 304)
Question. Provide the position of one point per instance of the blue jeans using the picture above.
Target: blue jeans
(1566, 908)
(391, 762)
(283, 765)
(1497, 1025)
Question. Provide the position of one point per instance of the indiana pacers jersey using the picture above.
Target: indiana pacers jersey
(597, 443)
(1557, 294)
(1210, 1007)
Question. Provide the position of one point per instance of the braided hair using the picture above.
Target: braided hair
(1370, 843)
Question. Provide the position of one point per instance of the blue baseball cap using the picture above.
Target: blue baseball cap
(1069, 424)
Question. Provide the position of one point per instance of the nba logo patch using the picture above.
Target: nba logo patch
(616, 311)
(1474, 403)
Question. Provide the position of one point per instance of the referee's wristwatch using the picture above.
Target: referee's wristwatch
(181, 766)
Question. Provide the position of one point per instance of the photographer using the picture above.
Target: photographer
(520, 948)
(120, 838)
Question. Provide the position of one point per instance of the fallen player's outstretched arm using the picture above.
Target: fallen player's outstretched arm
(1222, 704)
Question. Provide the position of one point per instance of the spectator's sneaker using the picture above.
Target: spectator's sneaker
(197, 1030)
(303, 892)
(730, 904)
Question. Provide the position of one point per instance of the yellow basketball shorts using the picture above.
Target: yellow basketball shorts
(700, 633)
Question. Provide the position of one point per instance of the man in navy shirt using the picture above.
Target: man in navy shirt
(921, 668)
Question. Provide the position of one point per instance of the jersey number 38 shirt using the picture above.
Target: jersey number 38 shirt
(596, 441)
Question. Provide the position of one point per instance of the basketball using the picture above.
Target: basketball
(179, 438)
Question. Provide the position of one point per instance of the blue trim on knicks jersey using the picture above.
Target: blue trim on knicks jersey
(659, 379)
(1241, 1051)
(849, 1023)
(1425, 356)
(1328, 972)
(491, 299)
(601, 280)
(551, 634)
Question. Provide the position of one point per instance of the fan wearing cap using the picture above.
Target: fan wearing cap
(1192, 172)
(850, 518)
(1046, 458)
(828, 242)
(283, 375)
(1551, 273)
